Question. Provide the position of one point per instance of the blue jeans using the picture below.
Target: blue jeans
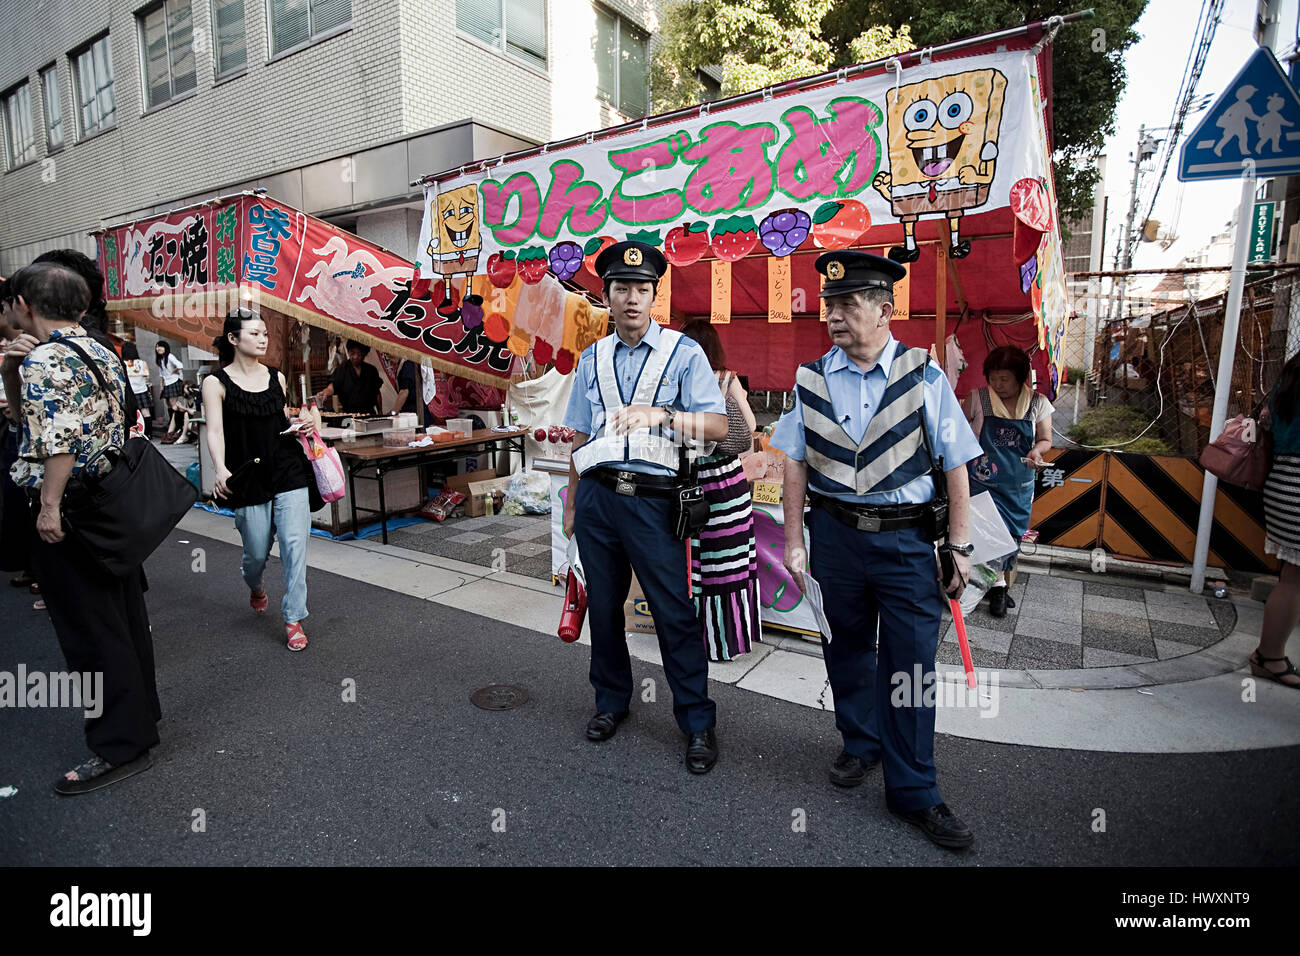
(288, 517)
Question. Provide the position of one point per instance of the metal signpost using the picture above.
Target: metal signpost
(1253, 129)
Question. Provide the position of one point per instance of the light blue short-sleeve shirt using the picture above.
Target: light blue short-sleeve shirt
(855, 397)
(688, 384)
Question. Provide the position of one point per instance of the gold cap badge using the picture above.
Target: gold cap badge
(835, 269)
(632, 257)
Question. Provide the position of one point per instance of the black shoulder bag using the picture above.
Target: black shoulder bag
(121, 517)
(690, 512)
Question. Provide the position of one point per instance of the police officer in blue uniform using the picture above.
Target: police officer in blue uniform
(637, 395)
(855, 443)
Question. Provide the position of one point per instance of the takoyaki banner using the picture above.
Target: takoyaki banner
(180, 273)
(806, 170)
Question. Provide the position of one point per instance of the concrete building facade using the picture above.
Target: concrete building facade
(117, 109)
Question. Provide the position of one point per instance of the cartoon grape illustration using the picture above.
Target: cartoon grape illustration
(784, 230)
(566, 260)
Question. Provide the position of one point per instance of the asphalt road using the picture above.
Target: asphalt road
(286, 772)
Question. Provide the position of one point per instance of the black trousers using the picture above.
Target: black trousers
(17, 523)
(103, 626)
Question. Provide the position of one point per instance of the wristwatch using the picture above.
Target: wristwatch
(966, 549)
(670, 414)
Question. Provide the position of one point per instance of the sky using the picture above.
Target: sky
(1155, 69)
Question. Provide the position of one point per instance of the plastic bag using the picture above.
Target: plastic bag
(439, 508)
(326, 466)
(988, 532)
(530, 491)
(977, 585)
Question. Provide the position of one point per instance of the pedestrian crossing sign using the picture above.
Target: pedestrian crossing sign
(1257, 117)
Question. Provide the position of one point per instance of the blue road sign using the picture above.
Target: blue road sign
(1257, 117)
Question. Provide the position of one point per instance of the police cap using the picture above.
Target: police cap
(848, 270)
(634, 261)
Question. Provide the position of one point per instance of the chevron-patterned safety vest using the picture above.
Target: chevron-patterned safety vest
(643, 444)
(892, 451)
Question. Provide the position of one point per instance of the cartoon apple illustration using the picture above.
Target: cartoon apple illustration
(501, 268)
(594, 247)
(686, 243)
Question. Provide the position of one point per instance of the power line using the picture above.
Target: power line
(1211, 14)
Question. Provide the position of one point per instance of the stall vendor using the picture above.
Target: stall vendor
(638, 394)
(355, 382)
(856, 441)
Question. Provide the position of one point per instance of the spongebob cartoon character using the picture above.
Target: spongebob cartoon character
(943, 144)
(455, 243)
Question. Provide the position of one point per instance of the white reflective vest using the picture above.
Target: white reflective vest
(643, 444)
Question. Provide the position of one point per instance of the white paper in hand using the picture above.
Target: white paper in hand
(813, 592)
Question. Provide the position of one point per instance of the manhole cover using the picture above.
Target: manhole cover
(499, 697)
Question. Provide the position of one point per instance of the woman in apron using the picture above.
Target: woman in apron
(1014, 425)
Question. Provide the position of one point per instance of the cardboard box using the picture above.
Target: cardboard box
(480, 491)
(461, 483)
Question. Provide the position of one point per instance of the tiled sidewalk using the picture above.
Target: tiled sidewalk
(1064, 621)
(525, 539)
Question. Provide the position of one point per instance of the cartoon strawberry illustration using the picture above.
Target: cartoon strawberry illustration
(501, 268)
(686, 243)
(733, 237)
(533, 264)
(837, 225)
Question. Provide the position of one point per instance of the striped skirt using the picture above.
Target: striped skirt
(724, 563)
(1282, 509)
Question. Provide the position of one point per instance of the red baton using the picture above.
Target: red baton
(964, 644)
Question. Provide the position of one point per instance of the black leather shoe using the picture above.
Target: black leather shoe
(701, 752)
(998, 601)
(941, 825)
(903, 254)
(604, 725)
(959, 250)
(849, 771)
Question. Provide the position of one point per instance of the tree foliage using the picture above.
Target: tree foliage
(761, 42)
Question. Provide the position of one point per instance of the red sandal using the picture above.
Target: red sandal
(297, 639)
(258, 601)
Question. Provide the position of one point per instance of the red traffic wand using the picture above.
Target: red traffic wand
(964, 644)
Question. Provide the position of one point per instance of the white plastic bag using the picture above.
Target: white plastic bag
(530, 491)
(977, 585)
(988, 532)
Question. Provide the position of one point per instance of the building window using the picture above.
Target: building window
(167, 51)
(94, 84)
(516, 27)
(295, 22)
(228, 50)
(20, 134)
(621, 64)
(710, 86)
(53, 109)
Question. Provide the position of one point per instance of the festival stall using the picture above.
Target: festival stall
(942, 156)
(180, 272)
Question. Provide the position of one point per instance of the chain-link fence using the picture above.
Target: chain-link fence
(1152, 382)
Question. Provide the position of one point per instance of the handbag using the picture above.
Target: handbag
(689, 512)
(1241, 455)
(326, 466)
(121, 517)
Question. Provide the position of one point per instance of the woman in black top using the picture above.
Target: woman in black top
(261, 472)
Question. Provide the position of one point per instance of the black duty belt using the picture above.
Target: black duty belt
(633, 483)
(868, 517)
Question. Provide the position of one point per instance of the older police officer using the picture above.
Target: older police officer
(855, 443)
(637, 394)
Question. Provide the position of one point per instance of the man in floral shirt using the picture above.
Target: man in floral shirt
(67, 421)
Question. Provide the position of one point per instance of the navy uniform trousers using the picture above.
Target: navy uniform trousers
(883, 604)
(618, 534)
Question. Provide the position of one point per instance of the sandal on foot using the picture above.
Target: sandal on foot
(97, 773)
(297, 639)
(38, 604)
(1258, 660)
(258, 601)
